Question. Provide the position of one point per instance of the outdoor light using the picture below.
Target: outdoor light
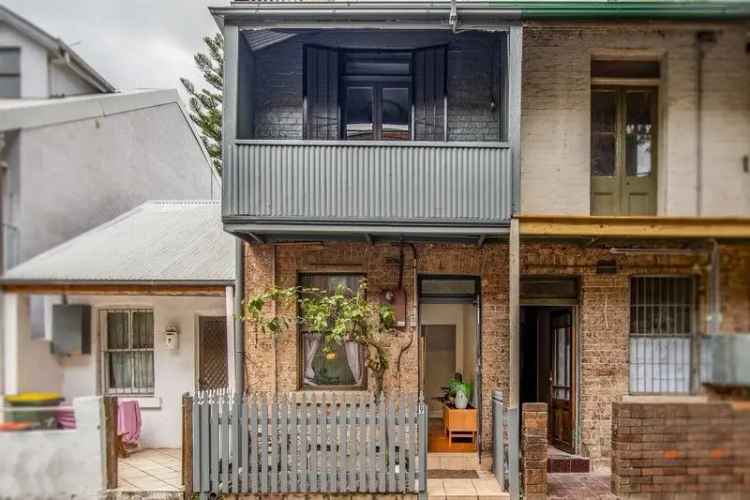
(330, 356)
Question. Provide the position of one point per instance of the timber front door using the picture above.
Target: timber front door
(561, 370)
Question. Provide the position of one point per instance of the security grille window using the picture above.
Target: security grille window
(10, 72)
(342, 368)
(662, 324)
(129, 351)
(383, 95)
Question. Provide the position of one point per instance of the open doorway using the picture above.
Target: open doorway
(547, 364)
(449, 331)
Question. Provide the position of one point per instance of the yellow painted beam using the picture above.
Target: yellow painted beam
(563, 226)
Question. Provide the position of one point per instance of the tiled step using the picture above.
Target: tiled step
(465, 489)
(568, 463)
(453, 461)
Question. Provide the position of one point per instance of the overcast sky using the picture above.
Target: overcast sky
(132, 43)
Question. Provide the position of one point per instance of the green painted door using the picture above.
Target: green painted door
(623, 151)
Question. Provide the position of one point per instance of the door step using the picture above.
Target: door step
(453, 461)
(559, 461)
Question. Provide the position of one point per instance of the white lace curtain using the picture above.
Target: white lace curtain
(353, 359)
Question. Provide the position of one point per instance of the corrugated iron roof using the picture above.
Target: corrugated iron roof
(158, 241)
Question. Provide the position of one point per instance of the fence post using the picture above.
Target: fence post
(187, 445)
(423, 423)
(499, 438)
(111, 440)
(514, 478)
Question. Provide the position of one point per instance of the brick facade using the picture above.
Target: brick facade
(689, 450)
(555, 122)
(534, 451)
(602, 321)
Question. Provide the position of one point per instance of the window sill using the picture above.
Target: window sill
(665, 398)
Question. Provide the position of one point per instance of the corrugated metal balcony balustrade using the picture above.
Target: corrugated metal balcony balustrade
(337, 182)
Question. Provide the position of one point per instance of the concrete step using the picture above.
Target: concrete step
(453, 461)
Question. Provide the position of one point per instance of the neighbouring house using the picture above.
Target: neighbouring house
(140, 308)
(76, 153)
(553, 195)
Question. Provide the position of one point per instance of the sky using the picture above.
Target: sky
(132, 43)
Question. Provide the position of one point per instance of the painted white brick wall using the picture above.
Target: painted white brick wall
(556, 115)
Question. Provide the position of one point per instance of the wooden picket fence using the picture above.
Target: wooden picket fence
(308, 443)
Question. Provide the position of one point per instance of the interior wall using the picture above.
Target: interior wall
(440, 363)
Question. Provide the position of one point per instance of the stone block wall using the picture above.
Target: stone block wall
(689, 450)
(534, 451)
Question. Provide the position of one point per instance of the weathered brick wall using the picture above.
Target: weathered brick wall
(534, 451)
(602, 336)
(688, 448)
(555, 176)
(471, 76)
(380, 264)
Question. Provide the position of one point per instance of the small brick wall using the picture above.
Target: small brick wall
(687, 448)
(534, 451)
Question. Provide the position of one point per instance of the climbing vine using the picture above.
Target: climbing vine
(337, 317)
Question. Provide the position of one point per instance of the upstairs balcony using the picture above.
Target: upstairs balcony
(369, 133)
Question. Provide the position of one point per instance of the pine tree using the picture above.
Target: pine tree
(206, 103)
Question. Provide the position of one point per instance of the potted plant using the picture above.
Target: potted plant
(461, 393)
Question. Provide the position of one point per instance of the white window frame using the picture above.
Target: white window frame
(105, 350)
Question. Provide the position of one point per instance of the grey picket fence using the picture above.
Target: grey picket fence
(308, 443)
(505, 438)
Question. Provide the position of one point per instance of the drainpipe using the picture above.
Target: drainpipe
(239, 330)
(714, 291)
(703, 39)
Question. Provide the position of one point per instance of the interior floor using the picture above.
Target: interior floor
(438, 440)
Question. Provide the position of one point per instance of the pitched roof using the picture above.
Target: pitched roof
(57, 47)
(169, 242)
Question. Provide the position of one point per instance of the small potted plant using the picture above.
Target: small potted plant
(460, 392)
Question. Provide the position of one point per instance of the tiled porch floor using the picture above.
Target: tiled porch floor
(575, 486)
(152, 469)
(484, 488)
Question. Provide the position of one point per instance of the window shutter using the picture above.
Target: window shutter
(430, 94)
(321, 96)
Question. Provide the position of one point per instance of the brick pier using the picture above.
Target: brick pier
(534, 451)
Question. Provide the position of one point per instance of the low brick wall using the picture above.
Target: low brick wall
(534, 451)
(684, 448)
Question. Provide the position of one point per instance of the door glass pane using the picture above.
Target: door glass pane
(638, 133)
(117, 330)
(603, 117)
(359, 122)
(396, 108)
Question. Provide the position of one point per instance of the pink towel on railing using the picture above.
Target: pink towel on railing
(129, 421)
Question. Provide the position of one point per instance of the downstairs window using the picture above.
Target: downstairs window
(662, 325)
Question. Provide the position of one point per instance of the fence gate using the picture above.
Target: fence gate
(308, 443)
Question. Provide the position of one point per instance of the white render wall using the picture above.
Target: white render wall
(555, 128)
(57, 463)
(77, 175)
(80, 375)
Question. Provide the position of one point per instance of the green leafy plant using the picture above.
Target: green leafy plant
(455, 385)
(337, 317)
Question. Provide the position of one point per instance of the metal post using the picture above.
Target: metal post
(514, 476)
(423, 422)
(499, 438)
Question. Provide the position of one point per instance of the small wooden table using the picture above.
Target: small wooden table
(459, 423)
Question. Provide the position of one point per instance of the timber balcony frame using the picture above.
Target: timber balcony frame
(277, 189)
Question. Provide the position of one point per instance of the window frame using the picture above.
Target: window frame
(17, 74)
(692, 336)
(362, 386)
(130, 391)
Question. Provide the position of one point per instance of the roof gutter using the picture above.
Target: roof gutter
(440, 11)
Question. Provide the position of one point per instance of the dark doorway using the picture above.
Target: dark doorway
(212, 352)
(547, 368)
